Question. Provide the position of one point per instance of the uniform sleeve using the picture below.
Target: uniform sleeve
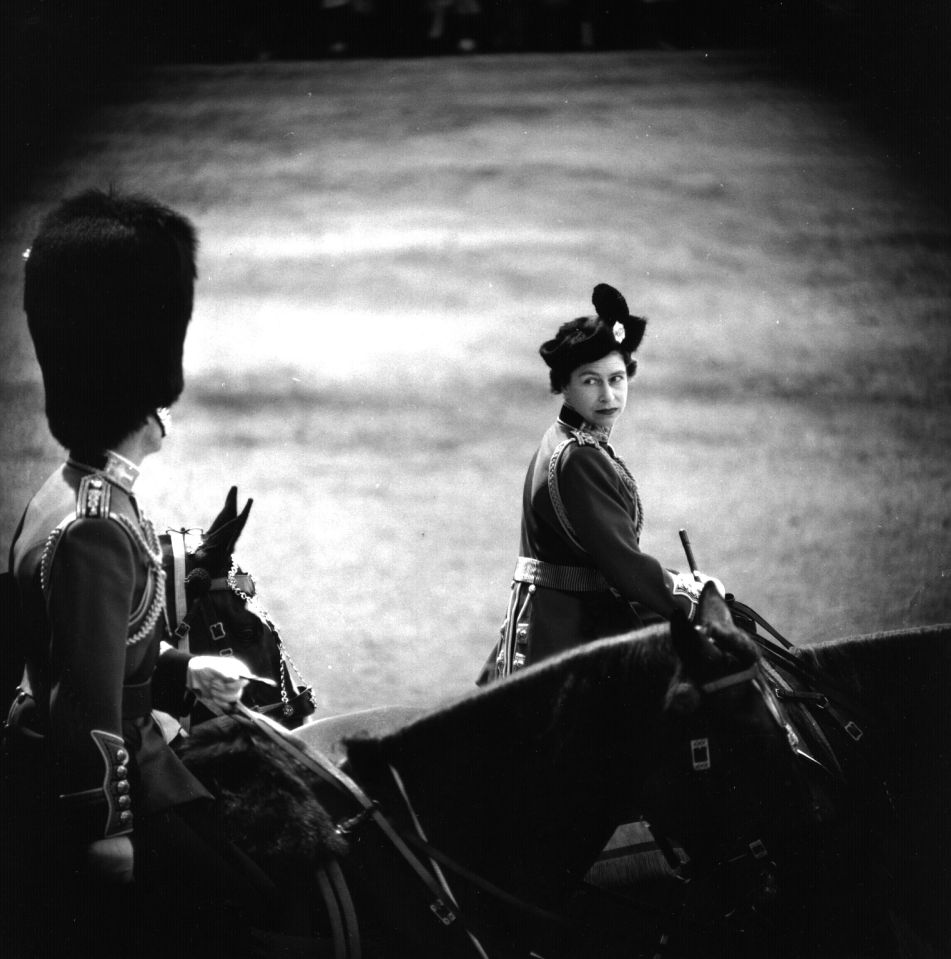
(600, 514)
(92, 581)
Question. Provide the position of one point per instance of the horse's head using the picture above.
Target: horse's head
(214, 608)
(730, 783)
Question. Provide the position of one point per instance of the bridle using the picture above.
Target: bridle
(807, 710)
(182, 617)
(427, 864)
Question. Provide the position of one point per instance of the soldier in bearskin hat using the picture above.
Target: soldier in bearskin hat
(108, 296)
(581, 574)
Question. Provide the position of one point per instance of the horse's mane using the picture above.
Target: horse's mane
(899, 681)
(546, 696)
(911, 660)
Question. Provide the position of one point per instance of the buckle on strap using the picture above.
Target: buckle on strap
(573, 579)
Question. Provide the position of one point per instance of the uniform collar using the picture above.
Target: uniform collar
(576, 423)
(113, 466)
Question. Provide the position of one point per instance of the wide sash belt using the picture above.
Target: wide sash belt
(574, 579)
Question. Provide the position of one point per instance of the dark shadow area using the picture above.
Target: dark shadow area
(60, 58)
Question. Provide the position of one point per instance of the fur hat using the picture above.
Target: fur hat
(108, 294)
(590, 338)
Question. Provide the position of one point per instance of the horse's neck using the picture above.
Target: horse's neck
(525, 780)
(900, 678)
(885, 668)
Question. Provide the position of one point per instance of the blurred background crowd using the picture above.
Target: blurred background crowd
(215, 31)
(58, 55)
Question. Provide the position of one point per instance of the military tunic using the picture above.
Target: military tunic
(581, 575)
(88, 568)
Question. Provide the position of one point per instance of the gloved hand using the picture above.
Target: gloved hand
(690, 587)
(217, 678)
(111, 860)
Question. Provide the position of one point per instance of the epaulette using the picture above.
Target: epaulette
(93, 498)
(93, 501)
(585, 438)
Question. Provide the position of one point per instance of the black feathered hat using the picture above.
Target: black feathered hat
(590, 338)
(108, 294)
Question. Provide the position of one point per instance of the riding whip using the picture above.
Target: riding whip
(688, 549)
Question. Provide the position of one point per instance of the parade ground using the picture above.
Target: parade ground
(384, 245)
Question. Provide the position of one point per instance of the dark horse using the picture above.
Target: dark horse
(469, 830)
(212, 607)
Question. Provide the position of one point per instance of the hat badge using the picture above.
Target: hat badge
(618, 331)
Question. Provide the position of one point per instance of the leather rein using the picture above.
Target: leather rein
(787, 684)
(442, 902)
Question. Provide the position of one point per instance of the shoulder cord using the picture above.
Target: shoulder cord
(627, 478)
(555, 493)
(145, 537)
(619, 466)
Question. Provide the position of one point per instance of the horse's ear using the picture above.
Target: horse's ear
(228, 526)
(693, 646)
(713, 613)
(712, 610)
(227, 514)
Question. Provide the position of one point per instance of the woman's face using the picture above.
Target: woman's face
(598, 390)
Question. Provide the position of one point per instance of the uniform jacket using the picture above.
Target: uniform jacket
(95, 668)
(594, 523)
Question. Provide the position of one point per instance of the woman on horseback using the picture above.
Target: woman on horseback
(581, 574)
(108, 295)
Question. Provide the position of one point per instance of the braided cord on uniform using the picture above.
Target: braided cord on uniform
(147, 540)
(627, 478)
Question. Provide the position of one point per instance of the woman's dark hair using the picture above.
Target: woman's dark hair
(108, 294)
(559, 378)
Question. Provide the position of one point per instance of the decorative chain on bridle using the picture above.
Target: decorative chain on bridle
(255, 606)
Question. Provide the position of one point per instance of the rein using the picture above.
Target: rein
(782, 679)
(443, 903)
(821, 692)
(333, 775)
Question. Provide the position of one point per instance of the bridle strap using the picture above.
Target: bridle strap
(344, 928)
(751, 613)
(437, 872)
(497, 892)
(332, 774)
(243, 581)
(733, 679)
(179, 601)
(437, 856)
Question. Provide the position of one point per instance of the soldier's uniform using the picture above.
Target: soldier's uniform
(89, 571)
(108, 297)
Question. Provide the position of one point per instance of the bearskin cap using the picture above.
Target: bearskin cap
(589, 338)
(108, 294)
